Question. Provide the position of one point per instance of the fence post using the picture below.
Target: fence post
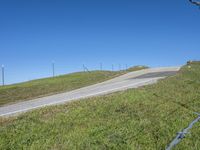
(53, 68)
(2, 73)
(101, 66)
(112, 67)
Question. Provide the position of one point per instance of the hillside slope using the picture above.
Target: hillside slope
(144, 118)
(58, 84)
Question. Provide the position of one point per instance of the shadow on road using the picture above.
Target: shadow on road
(155, 75)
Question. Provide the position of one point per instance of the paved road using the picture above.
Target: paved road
(129, 80)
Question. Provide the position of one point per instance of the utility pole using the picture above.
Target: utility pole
(112, 67)
(2, 71)
(53, 68)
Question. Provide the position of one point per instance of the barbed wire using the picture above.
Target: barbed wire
(195, 2)
(181, 135)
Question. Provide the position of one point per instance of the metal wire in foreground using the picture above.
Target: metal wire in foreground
(195, 2)
(182, 134)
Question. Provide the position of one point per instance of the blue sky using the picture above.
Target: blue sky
(72, 33)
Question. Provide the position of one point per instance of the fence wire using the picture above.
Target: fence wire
(182, 134)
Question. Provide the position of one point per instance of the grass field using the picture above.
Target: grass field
(145, 118)
(49, 86)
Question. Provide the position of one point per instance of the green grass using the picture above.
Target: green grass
(135, 68)
(49, 86)
(147, 118)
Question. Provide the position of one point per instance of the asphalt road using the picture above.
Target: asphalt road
(129, 80)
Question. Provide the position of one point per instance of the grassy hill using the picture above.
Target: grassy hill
(49, 86)
(145, 118)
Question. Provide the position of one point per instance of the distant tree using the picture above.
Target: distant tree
(195, 2)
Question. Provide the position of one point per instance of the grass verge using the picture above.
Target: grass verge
(138, 119)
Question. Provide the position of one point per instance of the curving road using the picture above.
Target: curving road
(129, 80)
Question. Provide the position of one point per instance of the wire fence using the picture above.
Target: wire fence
(181, 135)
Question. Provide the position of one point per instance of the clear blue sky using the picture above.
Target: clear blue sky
(76, 32)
